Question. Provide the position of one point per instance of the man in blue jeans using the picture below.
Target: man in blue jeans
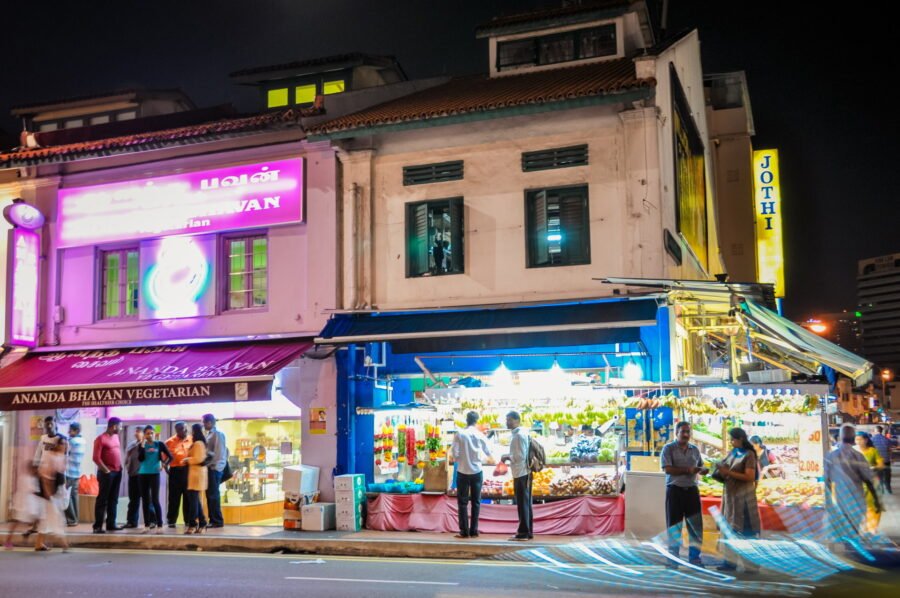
(682, 462)
(468, 446)
(218, 452)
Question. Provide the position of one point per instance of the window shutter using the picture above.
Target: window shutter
(539, 219)
(433, 173)
(572, 213)
(457, 237)
(418, 239)
(560, 157)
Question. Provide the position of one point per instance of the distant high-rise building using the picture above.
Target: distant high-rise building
(842, 328)
(878, 296)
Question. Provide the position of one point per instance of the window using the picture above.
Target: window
(276, 98)
(51, 126)
(579, 44)
(120, 274)
(248, 272)
(558, 227)
(130, 115)
(305, 94)
(434, 238)
(100, 120)
(330, 87)
(73, 124)
(433, 173)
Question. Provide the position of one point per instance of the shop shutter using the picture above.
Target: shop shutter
(561, 157)
(417, 239)
(433, 173)
(573, 222)
(540, 254)
(457, 236)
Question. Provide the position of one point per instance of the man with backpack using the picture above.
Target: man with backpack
(520, 467)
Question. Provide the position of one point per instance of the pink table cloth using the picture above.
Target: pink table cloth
(581, 516)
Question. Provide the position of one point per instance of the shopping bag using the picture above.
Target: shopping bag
(88, 485)
(501, 468)
(436, 477)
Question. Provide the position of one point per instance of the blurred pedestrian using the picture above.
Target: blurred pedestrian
(54, 496)
(26, 508)
(740, 469)
(682, 462)
(198, 479)
(865, 446)
(469, 444)
(179, 446)
(133, 469)
(218, 450)
(107, 456)
(884, 445)
(152, 455)
(847, 476)
(74, 462)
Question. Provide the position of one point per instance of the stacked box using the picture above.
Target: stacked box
(317, 517)
(350, 501)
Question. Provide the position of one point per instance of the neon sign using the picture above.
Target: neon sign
(767, 202)
(176, 277)
(249, 196)
(24, 263)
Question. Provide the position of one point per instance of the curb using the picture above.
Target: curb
(312, 546)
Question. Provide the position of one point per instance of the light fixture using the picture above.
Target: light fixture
(502, 377)
(632, 372)
(558, 376)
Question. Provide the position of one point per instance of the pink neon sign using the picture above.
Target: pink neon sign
(240, 197)
(22, 324)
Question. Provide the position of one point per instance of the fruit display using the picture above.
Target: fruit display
(570, 486)
(786, 453)
(540, 482)
(776, 492)
(710, 488)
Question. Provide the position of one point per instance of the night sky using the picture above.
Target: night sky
(814, 79)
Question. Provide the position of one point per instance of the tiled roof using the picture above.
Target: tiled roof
(481, 94)
(548, 15)
(132, 93)
(338, 60)
(154, 139)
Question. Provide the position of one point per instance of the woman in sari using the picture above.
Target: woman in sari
(740, 472)
(873, 458)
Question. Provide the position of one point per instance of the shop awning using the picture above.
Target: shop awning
(146, 375)
(793, 339)
(587, 322)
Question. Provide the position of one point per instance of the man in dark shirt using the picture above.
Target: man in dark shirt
(682, 461)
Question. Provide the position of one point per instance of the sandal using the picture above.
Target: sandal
(190, 530)
(42, 548)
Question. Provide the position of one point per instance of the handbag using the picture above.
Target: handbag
(227, 474)
(717, 476)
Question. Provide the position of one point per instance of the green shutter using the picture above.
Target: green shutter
(417, 241)
(111, 266)
(574, 226)
(457, 236)
(539, 231)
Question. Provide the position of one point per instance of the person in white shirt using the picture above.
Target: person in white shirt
(518, 465)
(468, 446)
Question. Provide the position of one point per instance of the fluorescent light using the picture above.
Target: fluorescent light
(502, 377)
(632, 372)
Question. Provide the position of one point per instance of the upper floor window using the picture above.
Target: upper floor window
(578, 44)
(276, 98)
(247, 272)
(557, 225)
(434, 238)
(120, 276)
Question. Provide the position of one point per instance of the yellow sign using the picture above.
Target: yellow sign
(318, 420)
(767, 203)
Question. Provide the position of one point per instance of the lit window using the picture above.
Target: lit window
(48, 126)
(558, 227)
(277, 98)
(248, 272)
(120, 275)
(330, 87)
(100, 120)
(434, 238)
(130, 115)
(73, 124)
(305, 94)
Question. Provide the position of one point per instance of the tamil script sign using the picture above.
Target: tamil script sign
(240, 197)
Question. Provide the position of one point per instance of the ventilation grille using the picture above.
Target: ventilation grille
(433, 173)
(561, 157)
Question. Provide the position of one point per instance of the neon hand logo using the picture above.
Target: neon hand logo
(179, 277)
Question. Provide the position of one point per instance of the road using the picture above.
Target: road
(127, 574)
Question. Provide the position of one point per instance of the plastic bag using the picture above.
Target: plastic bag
(88, 485)
(501, 468)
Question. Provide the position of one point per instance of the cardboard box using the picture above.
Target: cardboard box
(300, 479)
(318, 517)
(295, 515)
(292, 524)
(347, 510)
(349, 525)
(350, 496)
(350, 481)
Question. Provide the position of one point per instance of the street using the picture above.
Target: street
(527, 573)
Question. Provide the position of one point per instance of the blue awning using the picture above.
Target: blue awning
(587, 322)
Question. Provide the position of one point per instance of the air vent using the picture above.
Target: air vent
(433, 173)
(561, 157)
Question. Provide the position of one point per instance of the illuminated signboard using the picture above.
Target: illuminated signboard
(240, 197)
(176, 277)
(767, 204)
(22, 287)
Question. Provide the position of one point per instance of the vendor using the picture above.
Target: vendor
(768, 462)
(586, 447)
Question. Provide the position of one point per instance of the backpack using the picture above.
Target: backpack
(536, 457)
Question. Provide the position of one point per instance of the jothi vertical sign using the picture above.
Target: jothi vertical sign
(22, 287)
(767, 200)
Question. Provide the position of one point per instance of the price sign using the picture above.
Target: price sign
(811, 452)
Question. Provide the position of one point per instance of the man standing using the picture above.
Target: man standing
(179, 446)
(468, 446)
(218, 452)
(682, 461)
(107, 456)
(73, 471)
(47, 444)
(132, 467)
(521, 473)
(883, 445)
(846, 474)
